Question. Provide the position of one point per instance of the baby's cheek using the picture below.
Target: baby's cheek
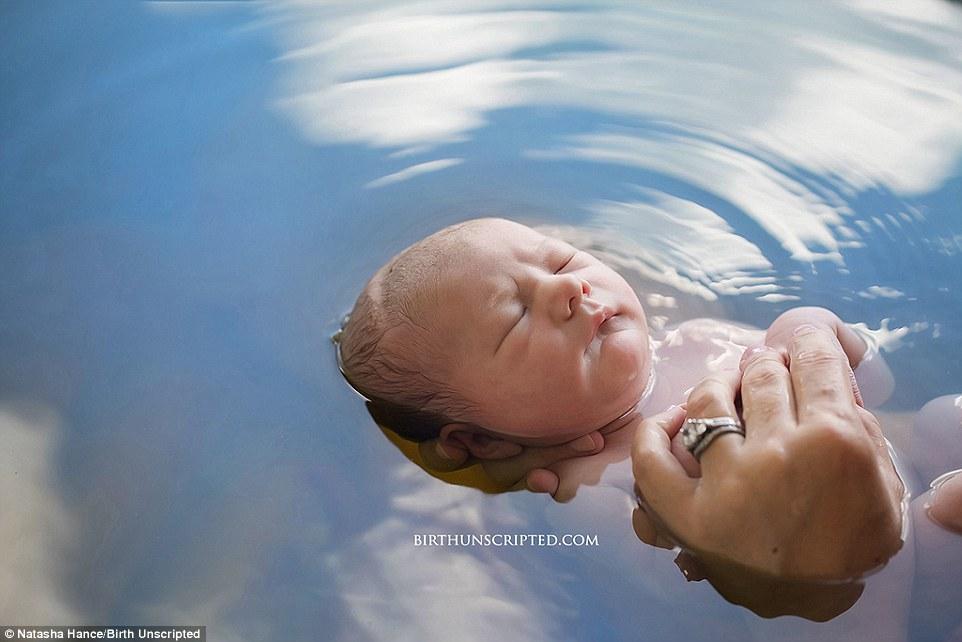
(624, 357)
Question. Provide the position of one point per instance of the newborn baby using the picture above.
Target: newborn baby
(491, 337)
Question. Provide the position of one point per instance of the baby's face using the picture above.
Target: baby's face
(549, 342)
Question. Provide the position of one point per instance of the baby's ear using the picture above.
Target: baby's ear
(465, 437)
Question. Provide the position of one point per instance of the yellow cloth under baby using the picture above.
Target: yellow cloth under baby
(473, 476)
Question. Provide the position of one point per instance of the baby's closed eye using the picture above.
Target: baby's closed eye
(566, 262)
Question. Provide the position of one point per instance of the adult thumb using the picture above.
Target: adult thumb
(661, 480)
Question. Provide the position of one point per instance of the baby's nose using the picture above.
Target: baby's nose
(569, 291)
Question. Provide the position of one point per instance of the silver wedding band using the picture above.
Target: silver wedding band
(698, 433)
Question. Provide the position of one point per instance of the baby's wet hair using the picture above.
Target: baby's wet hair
(390, 352)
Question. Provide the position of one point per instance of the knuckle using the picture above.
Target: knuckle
(713, 384)
(839, 441)
(820, 357)
(832, 421)
(766, 395)
(827, 429)
(764, 373)
(824, 392)
(774, 457)
(869, 420)
(763, 410)
(710, 394)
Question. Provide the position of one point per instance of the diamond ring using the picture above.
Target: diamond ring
(697, 434)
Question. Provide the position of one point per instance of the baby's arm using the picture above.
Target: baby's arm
(780, 332)
(873, 379)
(935, 443)
(937, 591)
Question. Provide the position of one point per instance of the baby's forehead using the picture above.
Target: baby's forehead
(499, 240)
(479, 264)
(465, 307)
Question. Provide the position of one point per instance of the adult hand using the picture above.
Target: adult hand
(810, 491)
(528, 468)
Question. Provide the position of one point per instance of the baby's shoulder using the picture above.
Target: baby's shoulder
(695, 348)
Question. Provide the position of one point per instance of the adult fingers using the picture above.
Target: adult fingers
(660, 479)
(873, 429)
(820, 378)
(768, 402)
(511, 469)
(542, 480)
(648, 530)
(684, 456)
(439, 458)
(893, 479)
(541, 457)
(714, 396)
(643, 526)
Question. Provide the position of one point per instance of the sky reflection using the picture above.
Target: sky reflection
(193, 195)
(774, 114)
(390, 585)
(37, 522)
(833, 103)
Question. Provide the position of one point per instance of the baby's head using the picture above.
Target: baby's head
(489, 332)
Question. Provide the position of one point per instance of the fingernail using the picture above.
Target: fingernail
(805, 328)
(942, 512)
(584, 444)
(944, 477)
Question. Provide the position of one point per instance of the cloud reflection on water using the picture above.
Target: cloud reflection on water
(414, 170)
(37, 526)
(391, 587)
(786, 209)
(674, 242)
(755, 99)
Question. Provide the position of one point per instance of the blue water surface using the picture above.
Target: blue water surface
(191, 196)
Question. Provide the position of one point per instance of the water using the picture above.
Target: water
(193, 195)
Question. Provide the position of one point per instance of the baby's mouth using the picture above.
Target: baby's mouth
(599, 321)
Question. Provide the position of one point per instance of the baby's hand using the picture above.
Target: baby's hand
(780, 333)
